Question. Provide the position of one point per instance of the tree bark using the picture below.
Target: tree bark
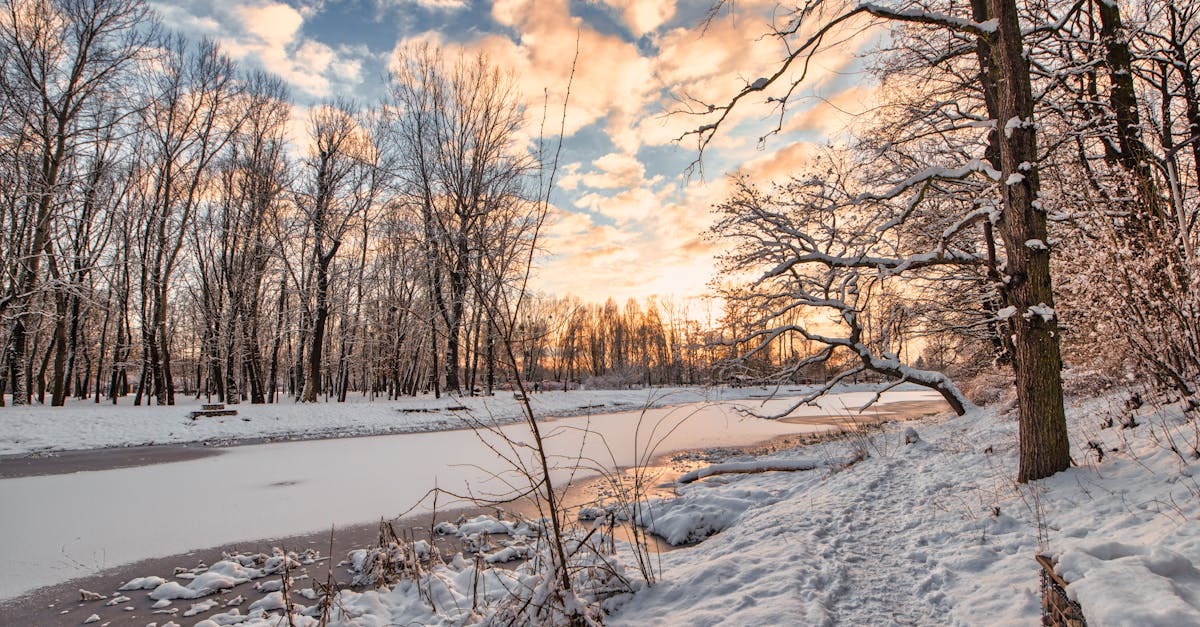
(1044, 446)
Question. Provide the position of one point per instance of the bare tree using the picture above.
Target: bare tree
(337, 189)
(61, 59)
(1020, 221)
(458, 126)
(187, 124)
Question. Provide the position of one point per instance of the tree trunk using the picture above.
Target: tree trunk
(1132, 154)
(1044, 446)
(312, 386)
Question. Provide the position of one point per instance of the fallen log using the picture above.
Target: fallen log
(766, 465)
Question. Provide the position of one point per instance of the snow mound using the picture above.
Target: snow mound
(1132, 584)
(697, 514)
(142, 583)
(220, 576)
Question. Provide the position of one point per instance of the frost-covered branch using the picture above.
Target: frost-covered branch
(825, 285)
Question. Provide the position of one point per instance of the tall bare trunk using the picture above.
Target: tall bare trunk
(1044, 446)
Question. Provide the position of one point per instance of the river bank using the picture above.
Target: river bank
(44, 604)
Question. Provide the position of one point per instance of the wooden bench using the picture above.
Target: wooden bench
(212, 411)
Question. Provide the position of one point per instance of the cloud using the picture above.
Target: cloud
(643, 16)
(833, 115)
(628, 223)
(269, 35)
(613, 82)
(442, 5)
(612, 171)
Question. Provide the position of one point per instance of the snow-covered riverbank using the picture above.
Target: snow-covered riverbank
(297, 487)
(934, 531)
(938, 532)
(86, 425)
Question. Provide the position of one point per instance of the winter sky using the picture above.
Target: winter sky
(628, 218)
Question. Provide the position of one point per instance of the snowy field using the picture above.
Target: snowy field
(86, 425)
(932, 532)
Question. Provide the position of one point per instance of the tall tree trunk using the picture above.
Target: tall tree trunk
(277, 341)
(1044, 446)
(58, 381)
(312, 386)
(1132, 153)
(999, 330)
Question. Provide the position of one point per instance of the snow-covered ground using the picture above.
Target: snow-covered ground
(921, 523)
(937, 532)
(56, 527)
(929, 531)
(87, 425)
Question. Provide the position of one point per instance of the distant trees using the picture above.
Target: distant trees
(63, 66)
(604, 345)
(338, 190)
(462, 168)
(162, 236)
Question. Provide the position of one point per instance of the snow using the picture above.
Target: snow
(950, 21)
(86, 425)
(937, 532)
(757, 465)
(1042, 310)
(1006, 313)
(286, 488)
(220, 576)
(1036, 244)
(1016, 178)
(142, 583)
(509, 553)
(928, 529)
(273, 601)
(1128, 584)
(1014, 123)
(201, 607)
(695, 515)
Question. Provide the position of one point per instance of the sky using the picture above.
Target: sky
(628, 216)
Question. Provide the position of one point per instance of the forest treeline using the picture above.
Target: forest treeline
(164, 232)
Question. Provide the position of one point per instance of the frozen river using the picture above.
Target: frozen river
(57, 527)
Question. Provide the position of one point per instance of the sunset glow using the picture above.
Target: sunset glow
(629, 215)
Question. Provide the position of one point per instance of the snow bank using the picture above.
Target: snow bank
(938, 532)
(1132, 584)
(85, 425)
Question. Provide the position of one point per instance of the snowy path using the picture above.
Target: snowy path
(877, 574)
(54, 528)
(825, 557)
